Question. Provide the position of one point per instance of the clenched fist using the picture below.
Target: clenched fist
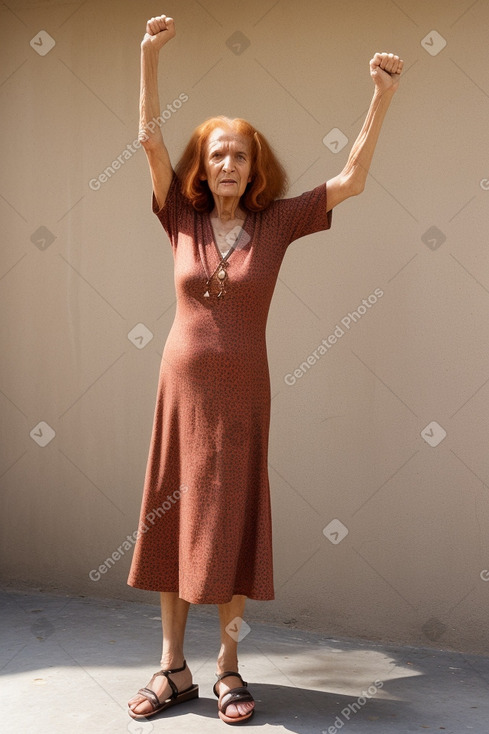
(159, 31)
(385, 70)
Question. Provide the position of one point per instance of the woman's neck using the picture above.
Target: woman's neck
(227, 209)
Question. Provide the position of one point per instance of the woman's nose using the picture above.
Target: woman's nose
(228, 164)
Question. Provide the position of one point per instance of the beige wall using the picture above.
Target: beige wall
(350, 439)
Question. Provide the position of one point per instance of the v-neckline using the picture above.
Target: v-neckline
(224, 258)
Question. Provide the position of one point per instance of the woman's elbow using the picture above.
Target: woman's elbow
(343, 186)
(355, 184)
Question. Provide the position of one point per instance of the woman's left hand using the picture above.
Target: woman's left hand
(385, 70)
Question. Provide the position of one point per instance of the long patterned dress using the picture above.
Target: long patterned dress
(205, 527)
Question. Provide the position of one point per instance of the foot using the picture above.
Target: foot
(159, 684)
(233, 710)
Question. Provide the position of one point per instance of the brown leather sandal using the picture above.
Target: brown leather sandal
(233, 696)
(176, 697)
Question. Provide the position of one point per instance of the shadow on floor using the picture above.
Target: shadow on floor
(71, 663)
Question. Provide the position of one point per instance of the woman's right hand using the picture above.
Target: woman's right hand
(159, 30)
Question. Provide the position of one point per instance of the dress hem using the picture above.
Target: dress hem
(252, 596)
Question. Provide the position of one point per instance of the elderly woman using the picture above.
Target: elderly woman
(205, 525)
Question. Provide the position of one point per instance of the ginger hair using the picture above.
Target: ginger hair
(268, 176)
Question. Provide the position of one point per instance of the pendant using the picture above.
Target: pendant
(215, 285)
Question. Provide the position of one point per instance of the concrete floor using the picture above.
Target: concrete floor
(69, 664)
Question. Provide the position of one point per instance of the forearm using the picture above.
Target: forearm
(357, 167)
(149, 100)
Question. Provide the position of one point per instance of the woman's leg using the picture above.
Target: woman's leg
(174, 612)
(228, 654)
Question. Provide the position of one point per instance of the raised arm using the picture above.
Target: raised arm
(159, 31)
(385, 70)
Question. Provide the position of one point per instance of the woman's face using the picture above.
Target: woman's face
(227, 163)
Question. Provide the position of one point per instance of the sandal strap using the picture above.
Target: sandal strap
(174, 670)
(226, 675)
(151, 695)
(235, 695)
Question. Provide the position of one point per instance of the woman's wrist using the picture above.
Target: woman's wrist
(148, 48)
(382, 98)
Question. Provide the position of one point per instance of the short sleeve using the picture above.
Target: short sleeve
(173, 211)
(304, 214)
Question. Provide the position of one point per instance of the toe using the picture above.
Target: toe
(232, 711)
(245, 708)
(140, 705)
(240, 709)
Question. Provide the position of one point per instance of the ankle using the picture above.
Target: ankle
(172, 662)
(225, 664)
